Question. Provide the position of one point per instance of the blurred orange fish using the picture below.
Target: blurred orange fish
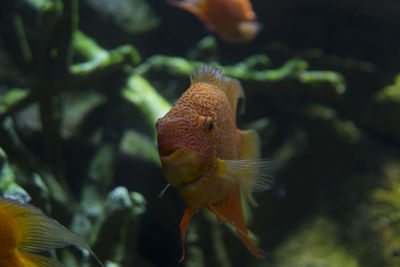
(207, 158)
(25, 230)
(232, 20)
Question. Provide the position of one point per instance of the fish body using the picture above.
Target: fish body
(25, 230)
(232, 20)
(206, 157)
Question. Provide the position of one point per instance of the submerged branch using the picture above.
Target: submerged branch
(327, 85)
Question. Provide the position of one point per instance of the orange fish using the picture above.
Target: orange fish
(232, 20)
(207, 158)
(25, 230)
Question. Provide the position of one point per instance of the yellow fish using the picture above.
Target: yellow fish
(25, 230)
(207, 158)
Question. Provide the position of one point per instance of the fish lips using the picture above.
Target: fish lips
(181, 167)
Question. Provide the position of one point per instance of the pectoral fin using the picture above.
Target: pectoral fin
(189, 211)
(251, 175)
(251, 172)
(229, 210)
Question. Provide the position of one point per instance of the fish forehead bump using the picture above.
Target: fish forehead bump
(208, 91)
(203, 99)
(180, 117)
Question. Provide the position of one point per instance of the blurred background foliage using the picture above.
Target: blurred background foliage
(83, 82)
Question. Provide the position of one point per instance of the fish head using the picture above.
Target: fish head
(187, 145)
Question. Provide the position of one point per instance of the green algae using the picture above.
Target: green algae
(390, 93)
(384, 212)
(11, 98)
(102, 61)
(327, 85)
(316, 243)
(8, 185)
(382, 111)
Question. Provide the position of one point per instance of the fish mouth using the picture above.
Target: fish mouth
(194, 182)
(170, 155)
(180, 167)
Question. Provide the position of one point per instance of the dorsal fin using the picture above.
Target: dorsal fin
(231, 87)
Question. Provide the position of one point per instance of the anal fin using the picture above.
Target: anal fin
(229, 210)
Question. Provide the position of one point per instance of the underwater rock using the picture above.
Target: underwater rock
(8, 186)
(27, 121)
(140, 146)
(92, 201)
(122, 209)
(32, 173)
(101, 166)
(76, 106)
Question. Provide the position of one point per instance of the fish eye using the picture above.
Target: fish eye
(208, 124)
